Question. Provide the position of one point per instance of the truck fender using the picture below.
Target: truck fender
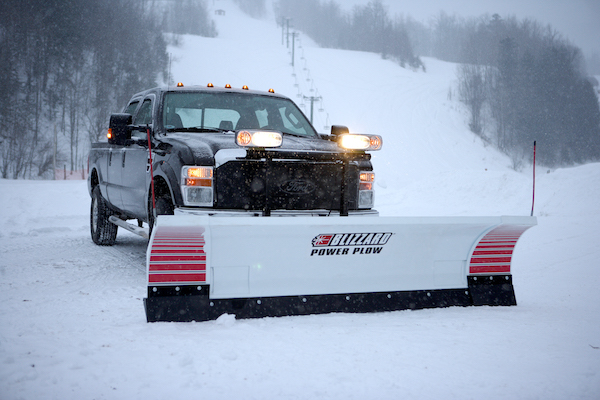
(165, 171)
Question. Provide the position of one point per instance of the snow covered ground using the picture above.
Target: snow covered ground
(72, 324)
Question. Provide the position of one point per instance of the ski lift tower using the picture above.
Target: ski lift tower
(312, 102)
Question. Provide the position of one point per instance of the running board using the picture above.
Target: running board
(143, 232)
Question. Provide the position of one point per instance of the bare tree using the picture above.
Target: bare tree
(64, 66)
(473, 91)
(254, 8)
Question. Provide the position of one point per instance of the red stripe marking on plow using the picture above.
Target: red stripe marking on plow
(179, 242)
(486, 269)
(165, 235)
(494, 245)
(173, 278)
(175, 250)
(177, 245)
(187, 240)
(491, 260)
(177, 267)
(493, 252)
(177, 256)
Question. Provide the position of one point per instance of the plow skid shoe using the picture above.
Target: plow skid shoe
(200, 267)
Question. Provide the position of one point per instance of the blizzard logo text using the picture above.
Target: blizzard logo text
(339, 244)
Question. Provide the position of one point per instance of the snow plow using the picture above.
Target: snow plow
(200, 267)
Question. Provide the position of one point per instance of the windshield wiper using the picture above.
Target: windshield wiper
(197, 129)
(297, 134)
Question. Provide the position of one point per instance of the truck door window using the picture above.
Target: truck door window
(131, 107)
(143, 117)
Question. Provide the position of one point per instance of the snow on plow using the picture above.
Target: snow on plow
(200, 267)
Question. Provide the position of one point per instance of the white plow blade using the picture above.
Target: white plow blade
(224, 258)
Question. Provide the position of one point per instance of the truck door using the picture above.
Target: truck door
(115, 156)
(135, 175)
(113, 178)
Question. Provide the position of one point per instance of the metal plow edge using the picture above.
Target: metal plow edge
(200, 267)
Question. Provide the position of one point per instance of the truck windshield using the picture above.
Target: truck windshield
(225, 111)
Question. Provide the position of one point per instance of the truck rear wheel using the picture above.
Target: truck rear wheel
(104, 233)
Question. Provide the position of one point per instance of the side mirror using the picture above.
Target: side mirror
(119, 129)
(337, 130)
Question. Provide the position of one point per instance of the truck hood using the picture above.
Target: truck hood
(204, 146)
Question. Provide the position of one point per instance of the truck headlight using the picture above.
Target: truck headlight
(197, 186)
(366, 194)
(252, 138)
(360, 142)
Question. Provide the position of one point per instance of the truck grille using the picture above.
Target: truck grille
(283, 184)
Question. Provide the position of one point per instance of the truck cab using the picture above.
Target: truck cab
(226, 151)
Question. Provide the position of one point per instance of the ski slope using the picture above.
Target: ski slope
(72, 324)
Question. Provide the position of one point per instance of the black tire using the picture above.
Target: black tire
(103, 232)
(164, 206)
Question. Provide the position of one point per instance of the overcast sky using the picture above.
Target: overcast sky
(577, 20)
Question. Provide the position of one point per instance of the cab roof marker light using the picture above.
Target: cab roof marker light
(210, 85)
(245, 87)
(271, 90)
(228, 86)
(179, 84)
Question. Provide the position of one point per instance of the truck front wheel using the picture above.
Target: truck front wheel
(164, 206)
(103, 232)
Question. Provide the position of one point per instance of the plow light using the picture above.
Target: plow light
(196, 186)
(360, 142)
(258, 139)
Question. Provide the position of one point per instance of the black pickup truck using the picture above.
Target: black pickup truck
(222, 151)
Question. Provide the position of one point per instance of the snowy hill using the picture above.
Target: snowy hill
(426, 140)
(72, 323)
